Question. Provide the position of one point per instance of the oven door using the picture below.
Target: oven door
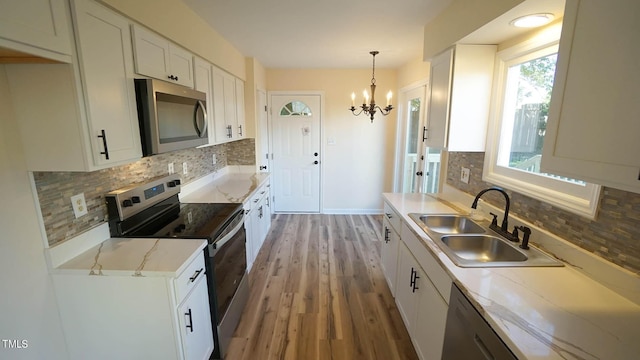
(229, 257)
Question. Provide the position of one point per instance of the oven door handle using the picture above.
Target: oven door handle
(220, 243)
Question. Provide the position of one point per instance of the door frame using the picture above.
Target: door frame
(322, 147)
(402, 129)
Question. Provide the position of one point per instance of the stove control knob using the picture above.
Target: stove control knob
(127, 203)
(171, 184)
(179, 228)
(177, 181)
(135, 199)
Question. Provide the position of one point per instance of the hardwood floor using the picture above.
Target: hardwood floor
(318, 292)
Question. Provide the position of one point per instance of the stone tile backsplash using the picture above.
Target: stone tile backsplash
(614, 235)
(55, 188)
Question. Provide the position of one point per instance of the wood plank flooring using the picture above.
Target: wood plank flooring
(318, 292)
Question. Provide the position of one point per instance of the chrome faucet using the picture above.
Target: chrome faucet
(505, 221)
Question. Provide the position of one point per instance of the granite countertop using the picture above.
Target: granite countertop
(233, 187)
(135, 257)
(540, 313)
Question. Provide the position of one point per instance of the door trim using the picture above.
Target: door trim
(321, 120)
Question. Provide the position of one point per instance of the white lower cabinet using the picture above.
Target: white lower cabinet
(421, 287)
(195, 324)
(151, 316)
(389, 254)
(257, 222)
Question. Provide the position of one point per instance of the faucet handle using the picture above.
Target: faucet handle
(494, 222)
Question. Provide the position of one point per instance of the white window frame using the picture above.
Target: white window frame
(578, 199)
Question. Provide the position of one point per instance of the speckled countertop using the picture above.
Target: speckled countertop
(540, 313)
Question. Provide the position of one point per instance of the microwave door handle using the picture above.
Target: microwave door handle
(200, 133)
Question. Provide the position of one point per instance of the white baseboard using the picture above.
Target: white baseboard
(353, 211)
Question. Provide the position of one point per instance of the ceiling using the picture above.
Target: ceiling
(335, 33)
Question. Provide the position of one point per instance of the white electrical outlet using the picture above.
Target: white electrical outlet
(171, 170)
(464, 175)
(79, 205)
(185, 170)
(214, 159)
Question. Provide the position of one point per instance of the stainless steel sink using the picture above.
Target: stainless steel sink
(471, 244)
(482, 248)
(450, 224)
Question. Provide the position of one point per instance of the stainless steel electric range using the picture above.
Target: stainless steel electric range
(153, 209)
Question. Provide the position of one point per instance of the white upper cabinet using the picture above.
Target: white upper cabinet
(240, 119)
(204, 82)
(80, 116)
(37, 27)
(159, 58)
(593, 128)
(228, 104)
(459, 98)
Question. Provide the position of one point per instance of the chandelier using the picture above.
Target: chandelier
(369, 107)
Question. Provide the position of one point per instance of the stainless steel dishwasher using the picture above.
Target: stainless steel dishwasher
(467, 335)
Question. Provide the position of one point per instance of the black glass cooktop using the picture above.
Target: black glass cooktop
(171, 219)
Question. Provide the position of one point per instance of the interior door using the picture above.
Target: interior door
(413, 102)
(296, 152)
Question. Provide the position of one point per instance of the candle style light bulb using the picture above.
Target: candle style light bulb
(389, 95)
(366, 96)
(353, 99)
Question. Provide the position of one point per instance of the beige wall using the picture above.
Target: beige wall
(460, 19)
(357, 169)
(176, 21)
(412, 72)
(28, 307)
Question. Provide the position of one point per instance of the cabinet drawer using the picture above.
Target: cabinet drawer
(258, 195)
(429, 264)
(189, 277)
(394, 218)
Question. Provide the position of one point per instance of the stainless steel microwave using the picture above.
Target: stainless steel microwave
(171, 117)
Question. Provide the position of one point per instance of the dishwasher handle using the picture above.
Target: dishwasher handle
(483, 348)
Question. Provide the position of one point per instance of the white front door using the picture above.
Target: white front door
(296, 152)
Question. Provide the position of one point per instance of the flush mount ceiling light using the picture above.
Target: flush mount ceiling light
(370, 108)
(533, 20)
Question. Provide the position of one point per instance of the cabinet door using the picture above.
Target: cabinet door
(151, 54)
(40, 24)
(195, 324)
(181, 65)
(221, 131)
(439, 99)
(106, 65)
(389, 254)
(250, 229)
(230, 107)
(593, 127)
(203, 82)
(240, 118)
(406, 289)
(431, 320)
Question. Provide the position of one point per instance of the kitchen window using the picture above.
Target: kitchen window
(523, 83)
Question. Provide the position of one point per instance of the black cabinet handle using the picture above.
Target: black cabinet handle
(386, 234)
(195, 275)
(419, 173)
(263, 167)
(190, 325)
(414, 277)
(315, 154)
(239, 130)
(104, 143)
(388, 215)
(424, 133)
(316, 162)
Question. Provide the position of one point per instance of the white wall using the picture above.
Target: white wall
(359, 167)
(28, 308)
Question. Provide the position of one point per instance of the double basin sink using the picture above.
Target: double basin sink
(469, 244)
